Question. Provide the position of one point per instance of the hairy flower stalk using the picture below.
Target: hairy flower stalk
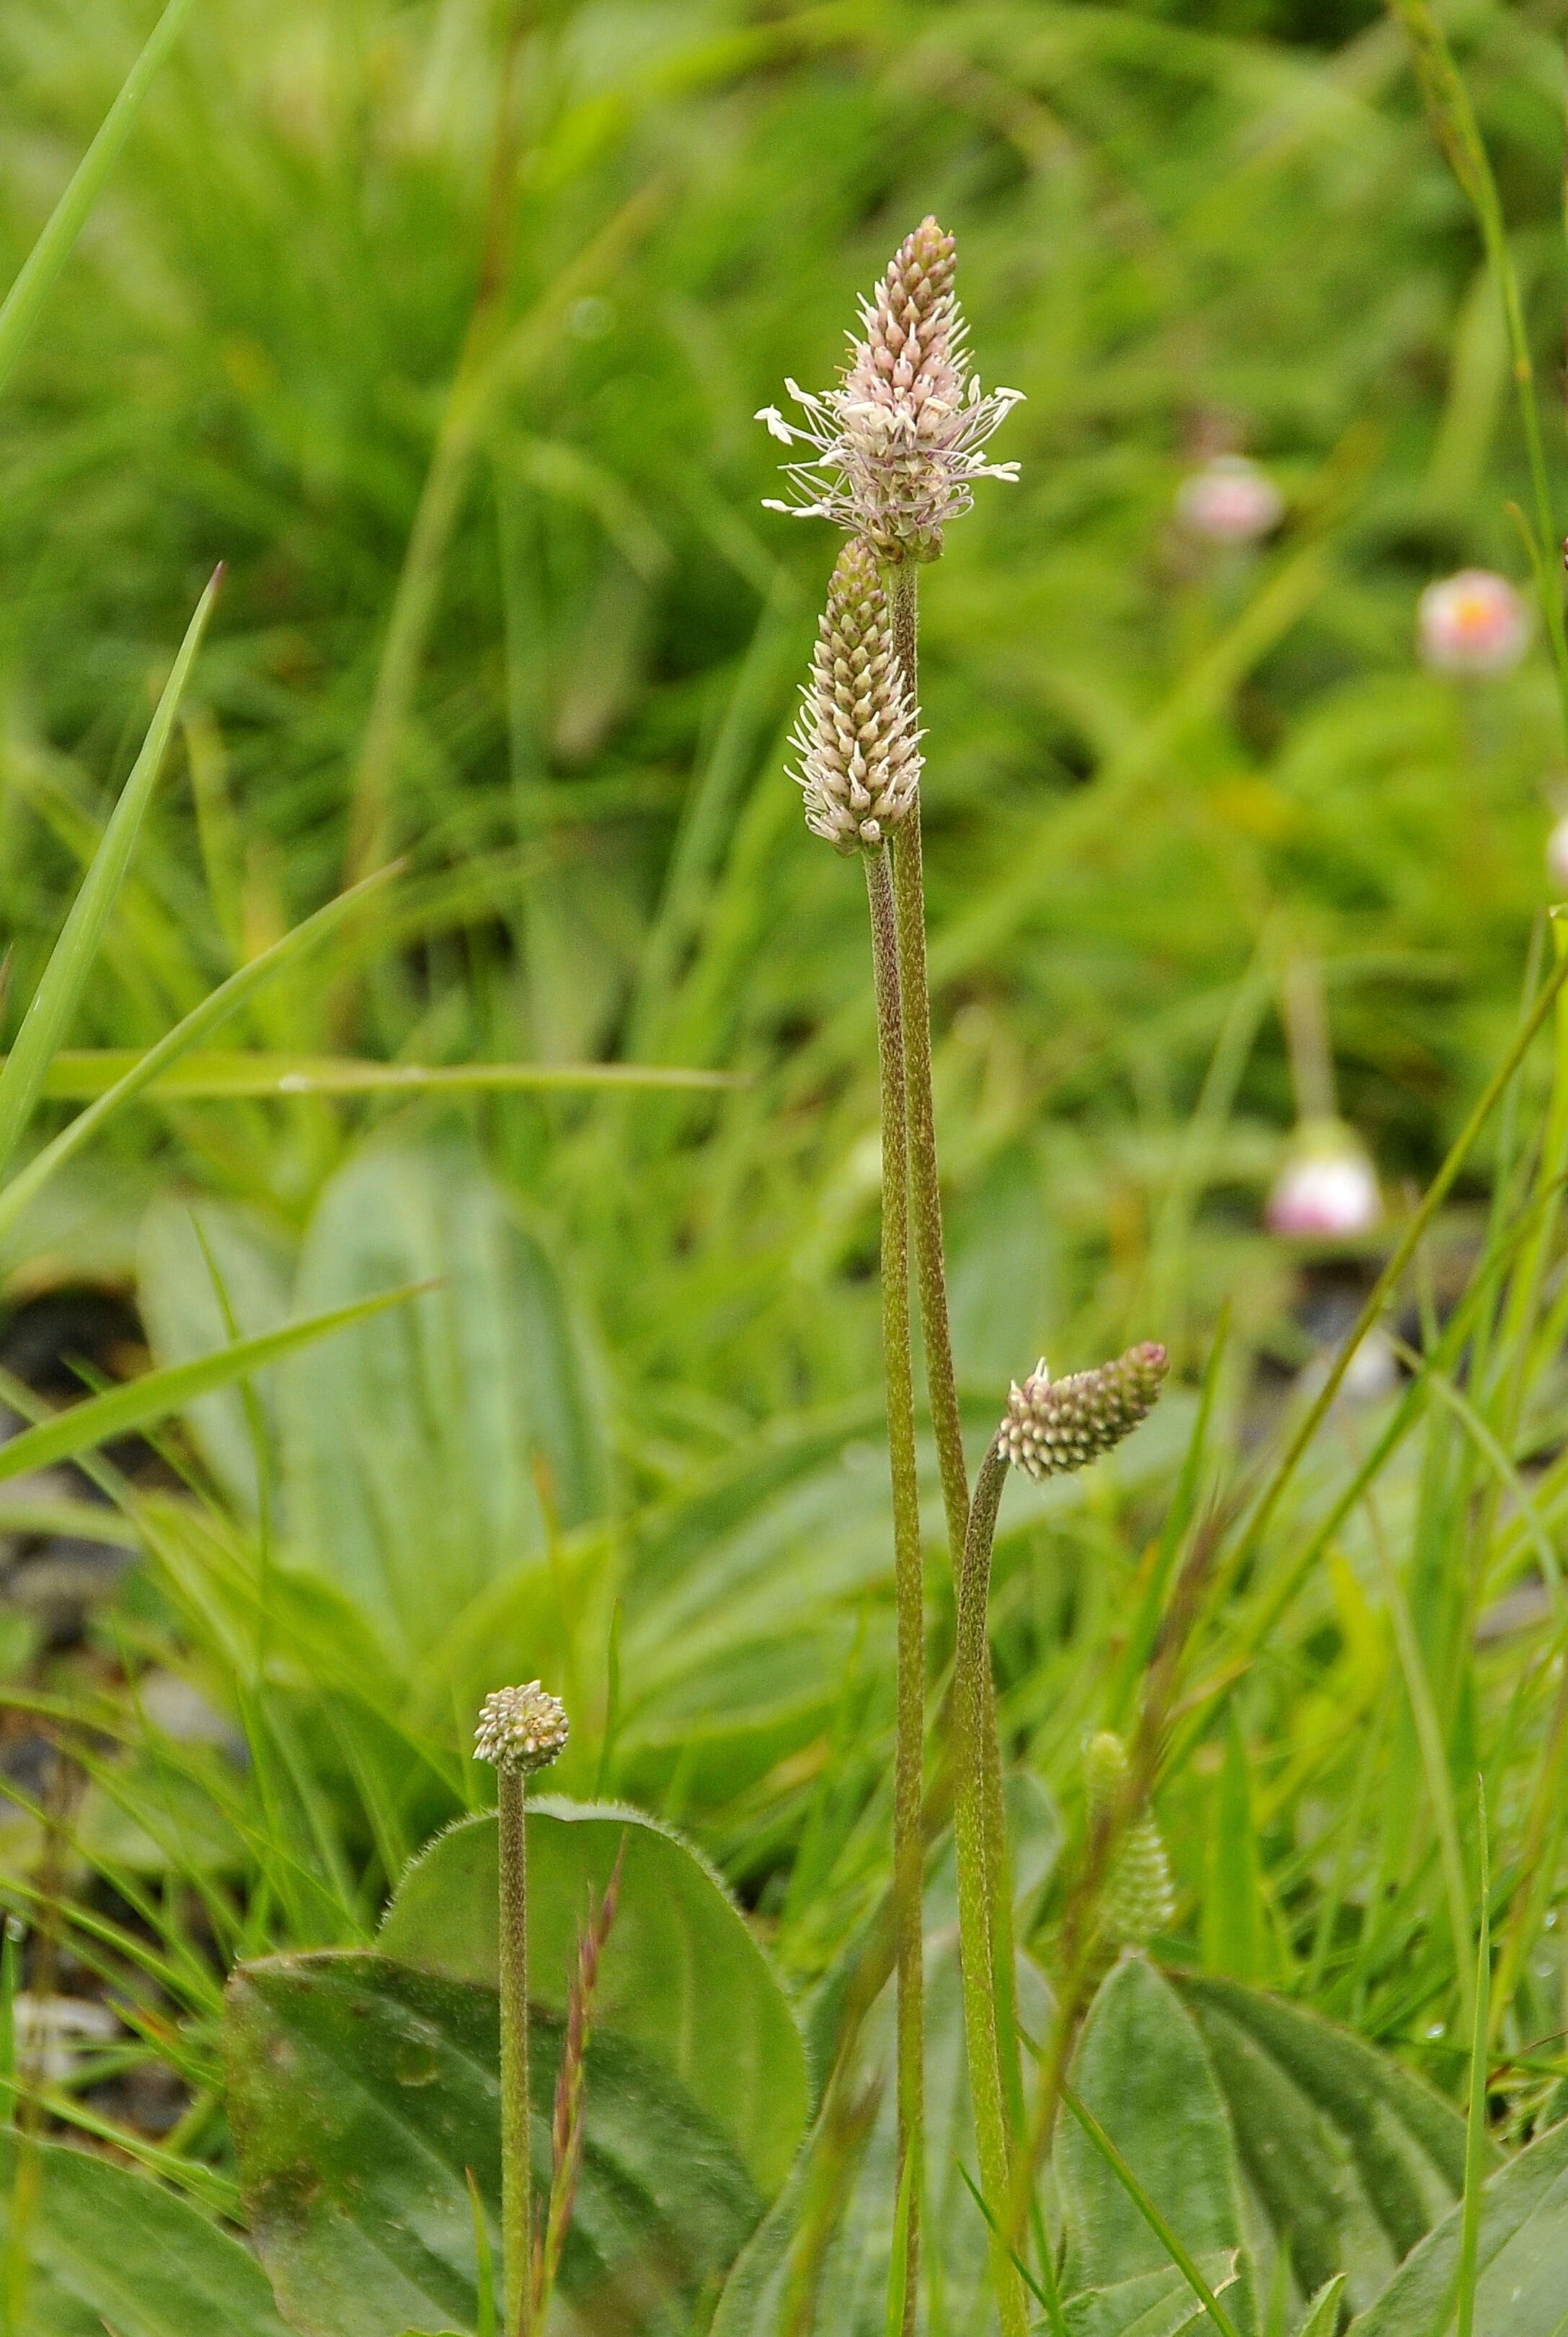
(856, 736)
(521, 1730)
(1050, 1426)
(908, 1584)
(897, 448)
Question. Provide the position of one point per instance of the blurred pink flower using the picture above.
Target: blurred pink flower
(1474, 622)
(1557, 853)
(1229, 501)
(1328, 1186)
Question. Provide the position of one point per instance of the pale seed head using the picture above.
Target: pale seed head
(521, 1729)
(856, 738)
(1055, 1425)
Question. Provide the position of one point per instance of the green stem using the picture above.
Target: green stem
(971, 1677)
(517, 2170)
(941, 1379)
(908, 1846)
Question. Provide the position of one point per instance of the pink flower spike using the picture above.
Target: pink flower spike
(1473, 623)
(1229, 501)
(1328, 1188)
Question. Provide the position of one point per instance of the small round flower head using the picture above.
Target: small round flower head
(521, 1729)
(896, 449)
(858, 748)
(1328, 1188)
(1473, 623)
(1557, 853)
(1054, 1425)
(1229, 501)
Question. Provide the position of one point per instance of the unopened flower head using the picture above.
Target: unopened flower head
(521, 1729)
(1054, 1425)
(1473, 623)
(1229, 501)
(1328, 1186)
(858, 748)
(1139, 1899)
(897, 448)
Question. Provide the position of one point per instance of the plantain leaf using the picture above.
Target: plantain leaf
(420, 1466)
(1323, 2313)
(1523, 2257)
(363, 2092)
(682, 1976)
(1346, 2158)
(1152, 2303)
(1142, 2069)
(103, 2249)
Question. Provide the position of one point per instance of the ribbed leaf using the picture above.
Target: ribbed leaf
(1348, 2159)
(362, 2093)
(1523, 2288)
(108, 2250)
(681, 1976)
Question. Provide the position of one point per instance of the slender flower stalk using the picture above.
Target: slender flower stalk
(521, 1730)
(908, 1586)
(1051, 1426)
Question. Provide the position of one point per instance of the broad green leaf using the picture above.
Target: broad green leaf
(109, 2250)
(1323, 2313)
(361, 2092)
(52, 1003)
(422, 1466)
(1141, 2071)
(1522, 2290)
(681, 1976)
(1347, 2159)
(1152, 2303)
(54, 246)
(155, 1394)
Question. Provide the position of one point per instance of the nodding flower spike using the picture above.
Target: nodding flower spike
(521, 1729)
(1055, 1425)
(896, 449)
(858, 748)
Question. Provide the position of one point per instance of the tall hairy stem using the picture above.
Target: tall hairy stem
(941, 1380)
(982, 2036)
(908, 1848)
(516, 2171)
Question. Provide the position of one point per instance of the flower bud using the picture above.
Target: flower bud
(1473, 623)
(1139, 1899)
(1328, 1186)
(1056, 1425)
(521, 1729)
(1230, 501)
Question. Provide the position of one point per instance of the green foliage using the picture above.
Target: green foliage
(1523, 2257)
(90, 2246)
(363, 2093)
(681, 1977)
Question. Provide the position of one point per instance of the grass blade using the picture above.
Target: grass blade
(35, 279)
(157, 1394)
(1475, 2128)
(143, 1069)
(55, 999)
(212, 1075)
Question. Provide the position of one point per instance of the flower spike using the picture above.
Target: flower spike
(896, 447)
(521, 1729)
(858, 748)
(1055, 1425)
